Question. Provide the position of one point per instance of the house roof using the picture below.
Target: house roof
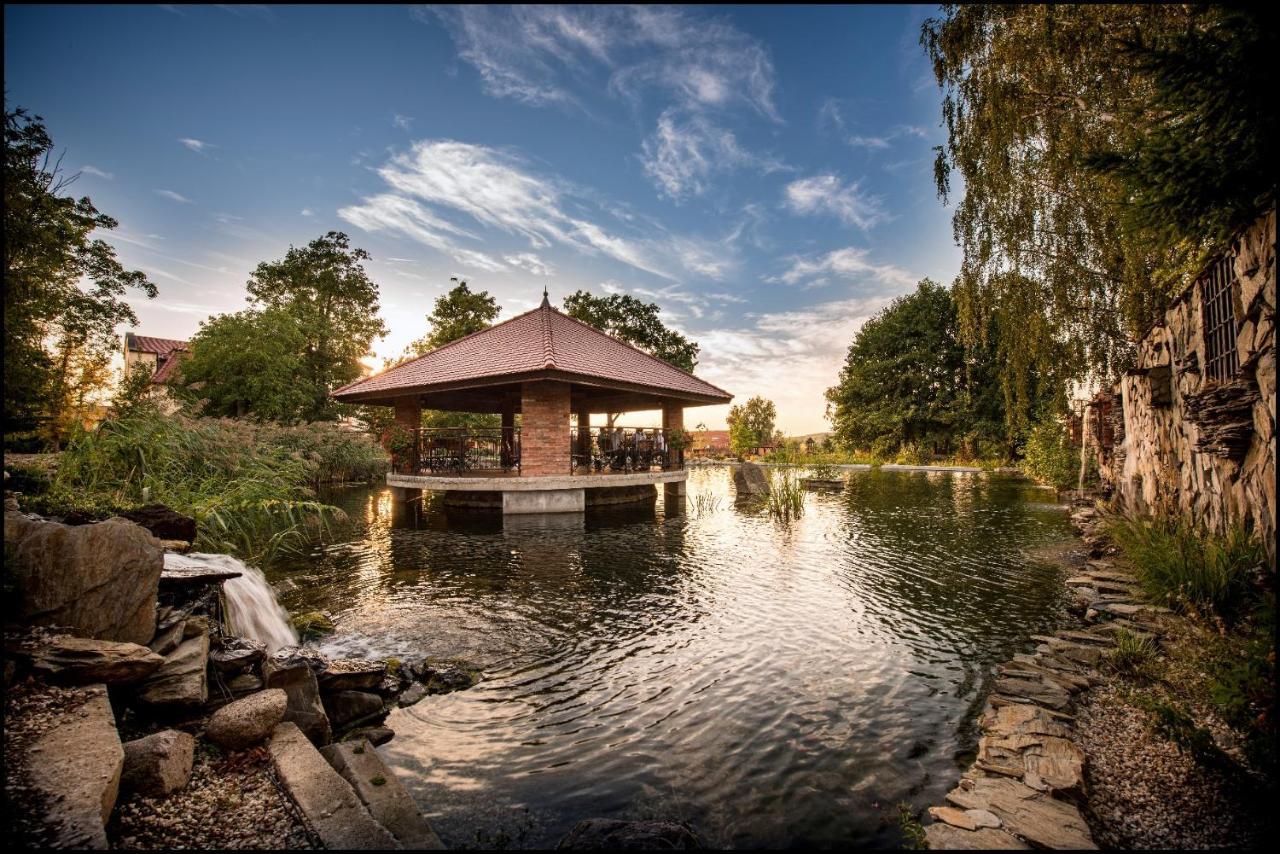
(168, 367)
(539, 344)
(147, 344)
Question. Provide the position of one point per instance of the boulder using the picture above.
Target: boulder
(182, 679)
(443, 677)
(412, 694)
(291, 671)
(312, 624)
(163, 523)
(381, 793)
(352, 674)
(327, 803)
(83, 661)
(75, 768)
(169, 633)
(346, 707)
(377, 735)
(244, 683)
(235, 655)
(159, 764)
(248, 721)
(750, 479)
(98, 580)
(608, 833)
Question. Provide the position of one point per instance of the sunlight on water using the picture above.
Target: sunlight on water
(773, 684)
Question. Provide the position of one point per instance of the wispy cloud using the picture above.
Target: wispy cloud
(848, 264)
(96, 172)
(829, 194)
(531, 262)
(682, 155)
(199, 146)
(886, 140)
(307, 212)
(402, 122)
(174, 197)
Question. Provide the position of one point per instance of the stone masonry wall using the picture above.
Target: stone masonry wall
(1197, 448)
(544, 429)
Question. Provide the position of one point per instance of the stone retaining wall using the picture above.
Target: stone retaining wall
(1188, 444)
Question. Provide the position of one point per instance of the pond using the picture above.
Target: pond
(771, 684)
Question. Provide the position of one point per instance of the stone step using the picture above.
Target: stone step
(380, 791)
(329, 806)
(1038, 818)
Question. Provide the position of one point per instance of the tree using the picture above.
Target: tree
(64, 292)
(251, 363)
(1032, 95)
(134, 394)
(902, 377)
(457, 314)
(751, 425)
(330, 300)
(638, 323)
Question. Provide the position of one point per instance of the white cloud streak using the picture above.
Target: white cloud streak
(197, 145)
(828, 194)
(174, 197)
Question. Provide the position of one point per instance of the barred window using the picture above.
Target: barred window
(1220, 358)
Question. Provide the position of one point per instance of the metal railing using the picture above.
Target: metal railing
(459, 450)
(621, 449)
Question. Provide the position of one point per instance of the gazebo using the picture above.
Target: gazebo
(545, 367)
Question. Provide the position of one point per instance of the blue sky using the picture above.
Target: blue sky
(763, 173)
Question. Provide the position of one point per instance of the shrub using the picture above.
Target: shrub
(1132, 653)
(1049, 457)
(1190, 569)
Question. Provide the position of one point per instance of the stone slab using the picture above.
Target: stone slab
(329, 806)
(944, 837)
(387, 801)
(1041, 820)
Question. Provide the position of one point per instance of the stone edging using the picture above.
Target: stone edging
(1027, 785)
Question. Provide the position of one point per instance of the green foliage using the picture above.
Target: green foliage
(751, 424)
(1032, 95)
(1202, 164)
(64, 291)
(1048, 455)
(785, 500)
(457, 314)
(911, 828)
(1132, 653)
(324, 297)
(638, 323)
(1190, 569)
(133, 396)
(249, 487)
(246, 364)
(1242, 685)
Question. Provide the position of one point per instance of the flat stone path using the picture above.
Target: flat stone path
(1029, 774)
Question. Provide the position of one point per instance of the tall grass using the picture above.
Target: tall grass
(786, 497)
(1188, 568)
(249, 487)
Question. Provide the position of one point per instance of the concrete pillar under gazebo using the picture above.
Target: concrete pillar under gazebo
(547, 368)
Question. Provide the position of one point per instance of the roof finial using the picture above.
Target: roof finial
(545, 299)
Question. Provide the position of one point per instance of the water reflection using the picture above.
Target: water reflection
(771, 684)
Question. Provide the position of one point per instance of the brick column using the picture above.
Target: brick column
(673, 419)
(544, 429)
(409, 416)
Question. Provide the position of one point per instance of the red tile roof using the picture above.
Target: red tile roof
(167, 368)
(540, 342)
(147, 344)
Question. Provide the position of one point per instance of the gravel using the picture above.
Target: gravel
(1144, 792)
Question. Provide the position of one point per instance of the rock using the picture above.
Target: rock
(1054, 764)
(941, 836)
(244, 683)
(1036, 817)
(312, 625)
(291, 671)
(247, 721)
(167, 639)
(98, 580)
(351, 674)
(608, 833)
(1024, 719)
(412, 694)
(163, 523)
(159, 764)
(182, 679)
(328, 804)
(82, 661)
(235, 655)
(1036, 690)
(195, 626)
(750, 479)
(953, 817)
(381, 793)
(445, 677)
(75, 767)
(346, 707)
(376, 735)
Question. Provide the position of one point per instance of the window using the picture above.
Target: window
(1220, 358)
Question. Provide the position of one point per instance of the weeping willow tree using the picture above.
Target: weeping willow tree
(1066, 126)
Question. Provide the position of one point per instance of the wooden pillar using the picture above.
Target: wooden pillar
(508, 432)
(545, 444)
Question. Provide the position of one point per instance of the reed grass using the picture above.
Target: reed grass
(786, 497)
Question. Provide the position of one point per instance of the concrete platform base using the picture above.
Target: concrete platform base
(539, 496)
(544, 501)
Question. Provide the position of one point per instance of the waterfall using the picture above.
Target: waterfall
(252, 609)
